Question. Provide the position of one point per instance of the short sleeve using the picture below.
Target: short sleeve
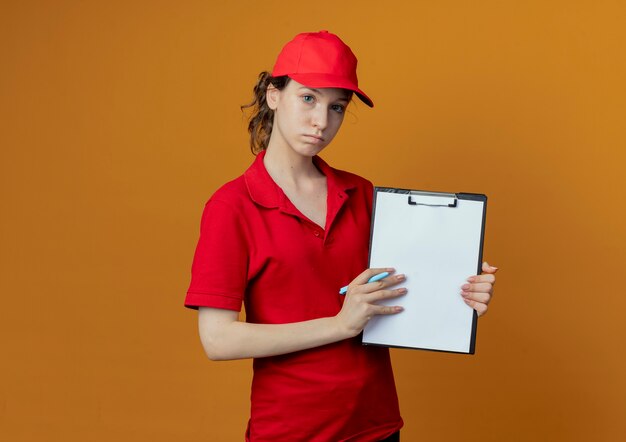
(220, 263)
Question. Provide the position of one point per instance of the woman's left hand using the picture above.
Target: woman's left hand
(478, 290)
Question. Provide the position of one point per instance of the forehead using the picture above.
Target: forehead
(331, 93)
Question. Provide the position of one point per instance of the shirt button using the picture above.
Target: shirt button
(317, 233)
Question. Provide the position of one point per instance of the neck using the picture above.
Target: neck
(289, 168)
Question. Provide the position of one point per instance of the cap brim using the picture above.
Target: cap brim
(327, 80)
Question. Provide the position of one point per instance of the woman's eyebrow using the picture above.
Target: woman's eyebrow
(311, 89)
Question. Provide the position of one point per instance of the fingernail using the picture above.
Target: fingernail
(400, 277)
(398, 309)
(471, 279)
(465, 286)
(464, 294)
(402, 291)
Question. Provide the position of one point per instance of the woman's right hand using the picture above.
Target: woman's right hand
(360, 304)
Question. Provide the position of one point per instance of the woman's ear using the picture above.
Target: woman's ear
(272, 95)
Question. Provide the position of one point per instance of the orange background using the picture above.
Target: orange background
(119, 119)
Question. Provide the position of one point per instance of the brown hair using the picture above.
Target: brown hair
(262, 117)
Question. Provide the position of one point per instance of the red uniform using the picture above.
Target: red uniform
(257, 248)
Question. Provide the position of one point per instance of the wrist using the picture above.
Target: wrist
(343, 330)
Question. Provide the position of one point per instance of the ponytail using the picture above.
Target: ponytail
(262, 117)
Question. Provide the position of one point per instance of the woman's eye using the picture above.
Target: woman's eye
(308, 98)
(338, 108)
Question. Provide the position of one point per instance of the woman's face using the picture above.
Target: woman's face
(306, 119)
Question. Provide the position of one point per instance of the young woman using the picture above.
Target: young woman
(282, 239)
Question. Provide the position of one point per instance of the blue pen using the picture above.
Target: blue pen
(374, 278)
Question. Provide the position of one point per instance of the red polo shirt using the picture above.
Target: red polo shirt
(257, 248)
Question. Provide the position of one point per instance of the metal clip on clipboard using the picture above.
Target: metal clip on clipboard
(437, 199)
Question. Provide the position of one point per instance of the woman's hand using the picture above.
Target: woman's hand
(360, 305)
(478, 290)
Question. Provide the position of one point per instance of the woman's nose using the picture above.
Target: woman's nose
(320, 118)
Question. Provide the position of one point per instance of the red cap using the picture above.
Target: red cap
(320, 59)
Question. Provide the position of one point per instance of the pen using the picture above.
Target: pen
(374, 278)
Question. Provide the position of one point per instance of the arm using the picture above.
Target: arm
(224, 337)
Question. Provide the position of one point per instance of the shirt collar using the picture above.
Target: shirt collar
(265, 192)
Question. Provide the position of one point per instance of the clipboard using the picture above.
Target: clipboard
(436, 240)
